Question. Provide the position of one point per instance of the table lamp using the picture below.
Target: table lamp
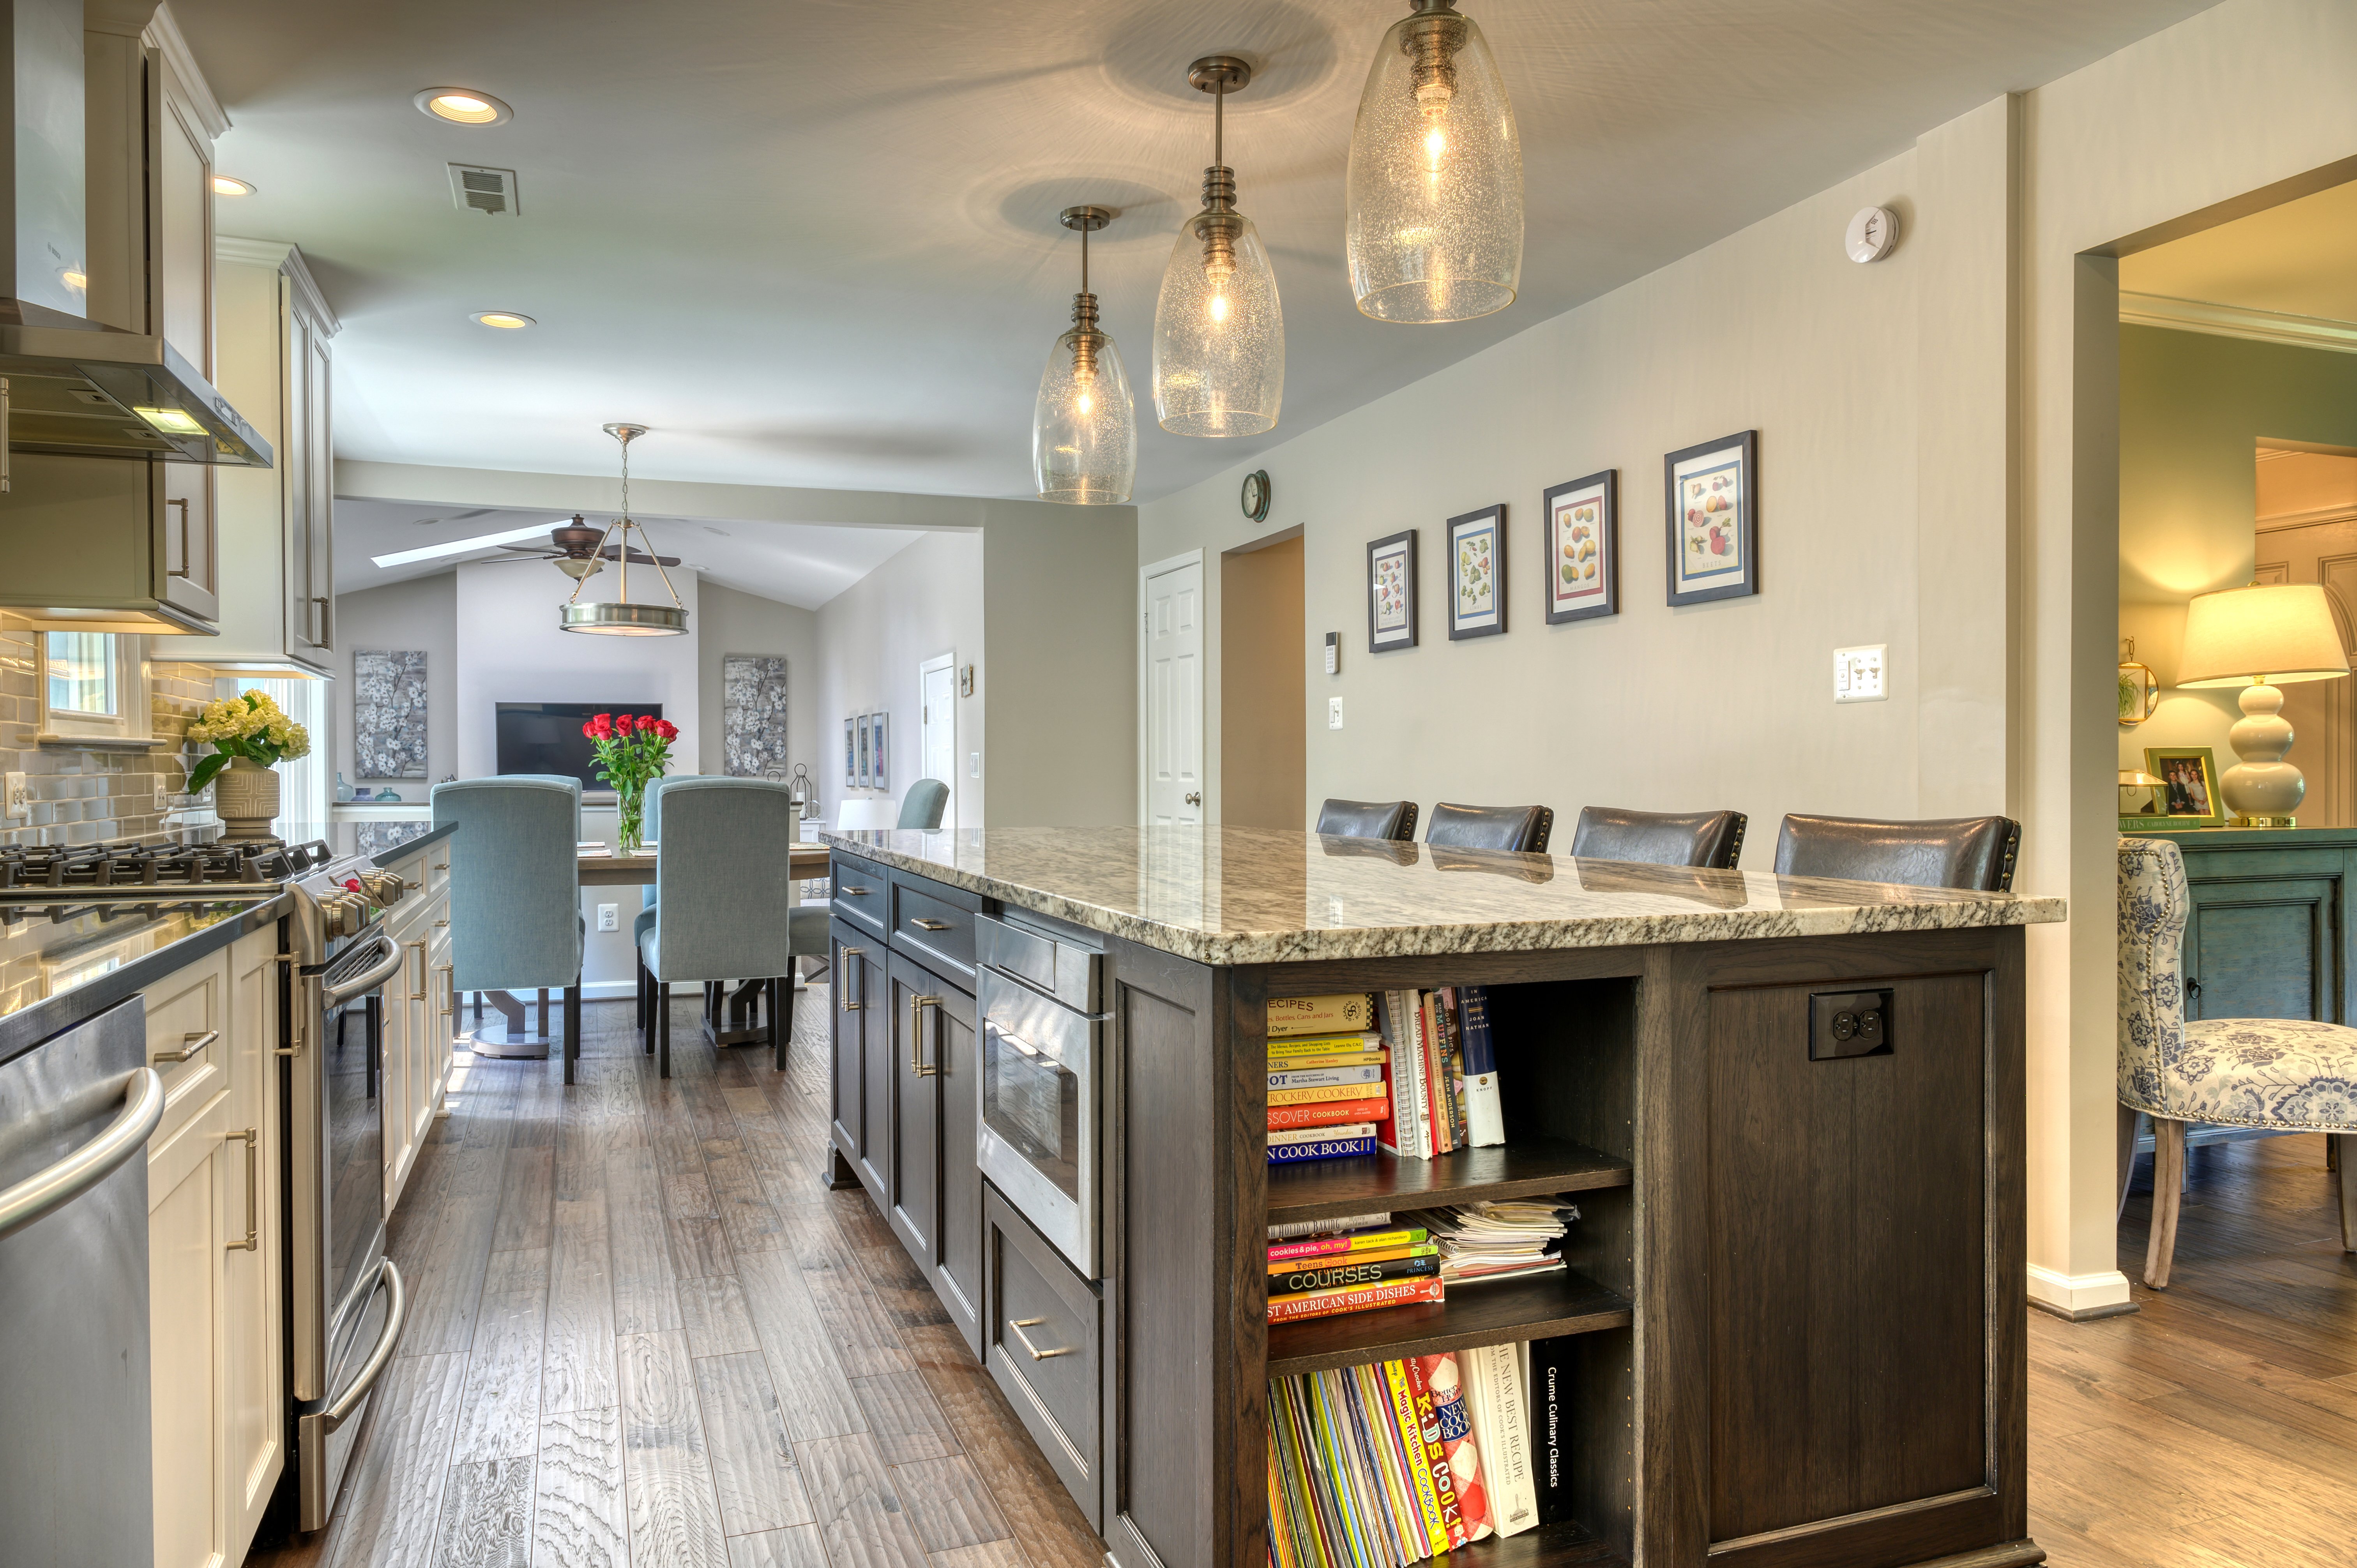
(2143, 783)
(2259, 637)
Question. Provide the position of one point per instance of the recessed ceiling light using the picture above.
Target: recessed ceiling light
(224, 185)
(506, 320)
(463, 106)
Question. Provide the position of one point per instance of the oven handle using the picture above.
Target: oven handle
(47, 1191)
(375, 975)
(396, 1312)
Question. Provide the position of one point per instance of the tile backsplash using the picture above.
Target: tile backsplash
(86, 795)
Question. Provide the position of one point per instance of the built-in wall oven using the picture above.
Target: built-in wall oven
(1043, 1030)
(348, 1304)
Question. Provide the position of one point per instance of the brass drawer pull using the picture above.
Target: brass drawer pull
(916, 1005)
(419, 994)
(924, 924)
(191, 1045)
(849, 1005)
(850, 892)
(1020, 1325)
(253, 1242)
(449, 989)
(444, 866)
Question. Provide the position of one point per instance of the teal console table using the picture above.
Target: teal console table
(2270, 928)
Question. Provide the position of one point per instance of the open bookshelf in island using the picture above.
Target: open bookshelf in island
(1788, 1329)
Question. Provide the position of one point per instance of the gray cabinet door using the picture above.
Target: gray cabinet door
(957, 1264)
(2261, 946)
(846, 1021)
(913, 1182)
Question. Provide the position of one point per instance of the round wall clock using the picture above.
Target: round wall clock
(1871, 234)
(1256, 496)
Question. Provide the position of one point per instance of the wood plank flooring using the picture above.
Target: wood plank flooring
(2216, 1427)
(643, 1335)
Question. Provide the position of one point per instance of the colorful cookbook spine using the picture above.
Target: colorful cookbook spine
(1442, 1376)
(1318, 1094)
(1319, 1149)
(1323, 1077)
(1355, 1043)
(1363, 1242)
(1330, 1113)
(1294, 1016)
(1306, 1277)
(1354, 1298)
(1444, 1480)
(1411, 1428)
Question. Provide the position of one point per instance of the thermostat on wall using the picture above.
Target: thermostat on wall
(1872, 233)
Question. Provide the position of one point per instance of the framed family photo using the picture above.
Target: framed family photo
(2188, 795)
(1477, 573)
(1391, 592)
(1713, 519)
(1583, 548)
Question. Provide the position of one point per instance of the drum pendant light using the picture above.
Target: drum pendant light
(1085, 425)
(620, 618)
(1434, 204)
(1219, 333)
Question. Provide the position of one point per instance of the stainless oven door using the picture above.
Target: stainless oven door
(1039, 1113)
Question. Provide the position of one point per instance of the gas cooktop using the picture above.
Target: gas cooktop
(142, 870)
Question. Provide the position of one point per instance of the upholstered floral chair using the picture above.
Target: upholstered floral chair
(2287, 1074)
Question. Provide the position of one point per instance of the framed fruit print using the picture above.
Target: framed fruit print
(1583, 548)
(1713, 519)
(1391, 592)
(1477, 573)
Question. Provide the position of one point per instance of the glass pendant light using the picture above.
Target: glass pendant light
(620, 618)
(1219, 333)
(1085, 426)
(1434, 205)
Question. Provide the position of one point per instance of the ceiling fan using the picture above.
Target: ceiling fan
(575, 547)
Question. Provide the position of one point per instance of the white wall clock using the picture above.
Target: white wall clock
(1871, 234)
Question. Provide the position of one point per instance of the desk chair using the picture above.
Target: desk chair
(1521, 828)
(515, 903)
(2293, 1075)
(1977, 852)
(1710, 839)
(1391, 820)
(723, 878)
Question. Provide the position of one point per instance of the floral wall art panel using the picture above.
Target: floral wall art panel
(753, 716)
(389, 714)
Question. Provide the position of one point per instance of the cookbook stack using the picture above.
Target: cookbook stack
(1326, 1084)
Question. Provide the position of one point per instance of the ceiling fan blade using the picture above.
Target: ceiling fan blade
(539, 550)
(639, 557)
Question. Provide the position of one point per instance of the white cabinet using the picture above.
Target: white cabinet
(277, 598)
(215, 1304)
(419, 1015)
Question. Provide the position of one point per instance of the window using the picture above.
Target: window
(81, 674)
(303, 799)
(94, 691)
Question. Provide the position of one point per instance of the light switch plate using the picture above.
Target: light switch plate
(1859, 674)
(974, 765)
(1333, 712)
(1333, 652)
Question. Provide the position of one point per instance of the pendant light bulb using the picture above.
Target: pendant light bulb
(1432, 217)
(1219, 330)
(1084, 424)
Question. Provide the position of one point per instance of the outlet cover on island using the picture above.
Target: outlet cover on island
(1859, 674)
(609, 917)
(1333, 712)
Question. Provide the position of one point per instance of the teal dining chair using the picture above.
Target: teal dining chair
(723, 899)
(515, 896)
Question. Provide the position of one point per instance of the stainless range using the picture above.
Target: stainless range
(347, 1304)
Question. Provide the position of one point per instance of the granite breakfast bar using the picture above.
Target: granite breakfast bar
(1798, 1277)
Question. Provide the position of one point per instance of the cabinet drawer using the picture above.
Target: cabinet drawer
(438, 868)
(1041, 1343)
(863, 894)
(187, 1012)
(929, 924)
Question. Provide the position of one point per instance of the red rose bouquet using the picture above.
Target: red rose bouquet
(631, 751)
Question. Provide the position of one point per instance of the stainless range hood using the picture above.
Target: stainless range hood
(75, 387)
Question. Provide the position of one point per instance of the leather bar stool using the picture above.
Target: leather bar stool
(723, 881)
(1976, 853)
(515, 900)
(1393, 820)
(1711, 839)
(1523, 828)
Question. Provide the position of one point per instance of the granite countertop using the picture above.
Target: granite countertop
(1231, 896)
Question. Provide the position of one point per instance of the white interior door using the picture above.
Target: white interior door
(1174, 696)
(937, 727)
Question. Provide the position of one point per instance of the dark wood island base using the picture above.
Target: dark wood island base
(1798, 1280)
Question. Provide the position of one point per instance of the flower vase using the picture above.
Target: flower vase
(630, 801)
(245, 795)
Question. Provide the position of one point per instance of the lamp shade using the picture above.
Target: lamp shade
(2279, 631)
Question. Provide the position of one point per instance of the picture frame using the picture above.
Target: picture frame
(1391, 592)
(862, 722)
(1711, 518)
(2188, 796)
(876, 751)
(1477, 573)
(1581, 570)
(850, 757)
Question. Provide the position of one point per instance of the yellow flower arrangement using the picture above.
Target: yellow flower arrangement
(249, 725)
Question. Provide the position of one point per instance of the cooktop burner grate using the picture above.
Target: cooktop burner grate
(130, 865)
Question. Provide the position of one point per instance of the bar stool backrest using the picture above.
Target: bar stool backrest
(1393, 820)
(1713, 838)
(1524, 828)
(1977, 852)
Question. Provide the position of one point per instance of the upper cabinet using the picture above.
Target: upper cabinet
(271, 329)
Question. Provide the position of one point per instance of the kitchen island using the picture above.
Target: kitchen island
(1796, 1288)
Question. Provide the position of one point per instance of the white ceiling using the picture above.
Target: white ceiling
(814, 243)
(795, 564)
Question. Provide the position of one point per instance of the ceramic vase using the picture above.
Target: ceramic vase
(245, 796)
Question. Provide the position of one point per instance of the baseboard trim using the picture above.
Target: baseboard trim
(2081, 1298)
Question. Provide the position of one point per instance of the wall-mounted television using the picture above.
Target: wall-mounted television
(545, 737)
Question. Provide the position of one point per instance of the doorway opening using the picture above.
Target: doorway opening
(1264, 685)
(937, 726)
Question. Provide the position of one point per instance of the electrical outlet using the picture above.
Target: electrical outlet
(1333, 712)
(974, 765)
(609, 917)
(1859, 674)
(19, 798)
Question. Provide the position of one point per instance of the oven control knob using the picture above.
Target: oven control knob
(383, 887)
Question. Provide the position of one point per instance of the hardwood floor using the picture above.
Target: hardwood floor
(2217, 1426)
(642, 1334)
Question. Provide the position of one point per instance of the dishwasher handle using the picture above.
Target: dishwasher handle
(368, 979)
(47, 1191)
(396, 1313)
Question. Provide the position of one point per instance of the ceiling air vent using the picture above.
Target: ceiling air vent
(486, 190)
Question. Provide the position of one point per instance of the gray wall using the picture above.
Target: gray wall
(736, 622)
(420, 613)
(924, 601)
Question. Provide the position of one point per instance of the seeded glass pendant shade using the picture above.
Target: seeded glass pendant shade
(1085, 426)
(1434, 205)
(1219, 332)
